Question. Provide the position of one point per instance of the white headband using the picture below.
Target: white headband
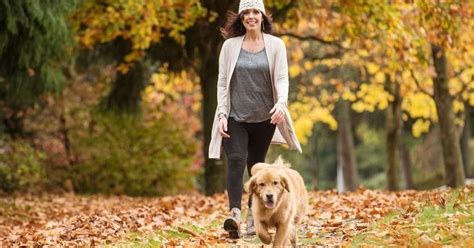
(251, 4)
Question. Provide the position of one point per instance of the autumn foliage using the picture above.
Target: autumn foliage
(381, 43)
(377, 88)
(363, 217)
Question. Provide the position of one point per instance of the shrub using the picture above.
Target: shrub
(21, 167)
(126, 155)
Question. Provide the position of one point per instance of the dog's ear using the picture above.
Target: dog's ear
(250, 185)
(284, 183)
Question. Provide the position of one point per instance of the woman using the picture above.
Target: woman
(252, 93)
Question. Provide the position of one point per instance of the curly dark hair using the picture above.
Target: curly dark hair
(233, 26)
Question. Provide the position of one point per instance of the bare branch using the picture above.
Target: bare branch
(419, 85)
(337, 54)
(459, 73)
(310, 37)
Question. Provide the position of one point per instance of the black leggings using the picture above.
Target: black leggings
(248, 144)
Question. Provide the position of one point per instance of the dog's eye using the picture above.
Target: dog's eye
(261, 184)
(275, 182)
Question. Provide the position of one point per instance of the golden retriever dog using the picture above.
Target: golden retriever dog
(279, 200)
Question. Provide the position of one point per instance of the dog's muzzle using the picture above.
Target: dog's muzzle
(269, 201)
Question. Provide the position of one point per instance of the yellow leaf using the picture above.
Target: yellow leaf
(294, 70)
(382, 105)
(297, 55)
(406, 75)
(471, 99)
(123, 68)
(308, 65)
(380, 77)
(466, 78)
(347, 95)
(358, 107)
(372, 68)
(317, 81)
(458, 106)
(363, 52)
(419, 127)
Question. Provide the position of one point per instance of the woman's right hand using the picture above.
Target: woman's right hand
(223, 127)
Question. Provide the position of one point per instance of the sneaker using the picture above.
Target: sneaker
(250, 223)
(232, 223)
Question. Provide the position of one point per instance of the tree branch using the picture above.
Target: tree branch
(280, 13)
(311, 37)
(419, 85)
(337, 54)
(459, 73)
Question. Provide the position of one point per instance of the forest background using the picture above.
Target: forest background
(118, 96)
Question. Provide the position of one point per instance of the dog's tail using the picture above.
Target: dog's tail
(281, 162)
(278, 164)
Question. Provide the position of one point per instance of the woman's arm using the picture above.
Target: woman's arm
(281, 80)
(281, 83)
(222, 82)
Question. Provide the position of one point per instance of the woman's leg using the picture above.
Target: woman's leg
(236, 152)
(235, 149)
(260, 137)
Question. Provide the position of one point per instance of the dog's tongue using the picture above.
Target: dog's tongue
(269, 204)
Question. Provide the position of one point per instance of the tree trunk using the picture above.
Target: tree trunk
(64, 130)
(406, 166)
(214, 169)
(345, 148)
(394, 123)
(125, 95)
(314, 159)
(448, 133)
(466, 135)
(210, 43)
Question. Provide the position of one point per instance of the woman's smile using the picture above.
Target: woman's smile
(252, 22)
(251, 18)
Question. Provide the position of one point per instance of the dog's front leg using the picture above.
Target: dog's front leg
(292, 234)
(262, 232)
(282, 235)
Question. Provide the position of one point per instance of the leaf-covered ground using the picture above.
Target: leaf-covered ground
(365, 217)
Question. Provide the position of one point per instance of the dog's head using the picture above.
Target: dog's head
(268, 184)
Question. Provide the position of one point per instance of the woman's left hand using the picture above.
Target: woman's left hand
(277, 114)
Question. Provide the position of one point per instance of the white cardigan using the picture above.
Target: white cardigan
(276, 55)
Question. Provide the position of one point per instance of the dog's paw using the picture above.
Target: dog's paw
(265, 238)
(294, 241)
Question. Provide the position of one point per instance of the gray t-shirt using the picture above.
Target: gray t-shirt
(251, 88)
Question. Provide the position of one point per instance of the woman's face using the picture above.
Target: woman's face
(252, 19)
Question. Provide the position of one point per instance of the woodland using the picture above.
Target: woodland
(106, 111)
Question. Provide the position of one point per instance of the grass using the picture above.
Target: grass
(158, 238)
(433, 225)
(362, 238)
(11, 212)
(451, 223)
(162, 237)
